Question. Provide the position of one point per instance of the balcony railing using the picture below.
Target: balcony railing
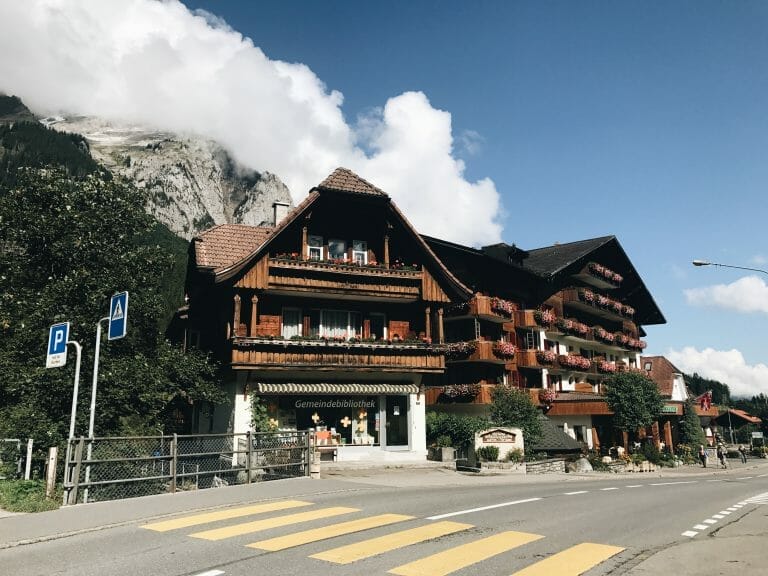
(477, 351)
(343, 355)
(345, 267)
(489, 307)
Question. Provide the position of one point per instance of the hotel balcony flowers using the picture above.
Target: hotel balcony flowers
(605, 367)
(571, 326)
(505, 350)
(544, 317)
(546, 356)
(604, 273)
(574, 361)
(602, 334)
(460, 350)
(547, 396)
(460, 392)
(502, 307)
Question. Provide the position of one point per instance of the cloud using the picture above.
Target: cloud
(748, 294)
(726, 366)
(162, 65)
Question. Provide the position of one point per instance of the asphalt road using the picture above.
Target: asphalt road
(427, 522)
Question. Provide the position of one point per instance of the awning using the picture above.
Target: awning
(335, 389)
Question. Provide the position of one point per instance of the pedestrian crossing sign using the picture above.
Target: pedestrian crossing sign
(118, 316)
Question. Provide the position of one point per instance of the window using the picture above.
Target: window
(647, 366)
(340, 324)
(291, 322)
(315, 248)
(580, 432)
(360, 252)
(378, 326)
(337, 249)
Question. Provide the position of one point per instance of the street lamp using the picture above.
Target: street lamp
(708, 263)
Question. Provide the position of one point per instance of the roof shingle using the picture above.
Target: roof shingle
(344, 180)
(222, 245)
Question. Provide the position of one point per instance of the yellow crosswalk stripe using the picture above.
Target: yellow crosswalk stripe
(267, 523)
(317, 534)
(571, 562)
(465, 555)
(228, 514)
(374, 546)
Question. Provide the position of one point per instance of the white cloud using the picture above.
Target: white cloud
(748, 294)
(726, 366)
(759, 260)
(159, 64)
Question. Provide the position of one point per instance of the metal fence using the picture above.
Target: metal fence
(99, 469)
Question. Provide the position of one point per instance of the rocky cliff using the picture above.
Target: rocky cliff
(193, 183)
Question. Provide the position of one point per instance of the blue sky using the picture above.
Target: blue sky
(546, 122)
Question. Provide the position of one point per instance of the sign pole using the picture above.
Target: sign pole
(92, 416)
(79, 351)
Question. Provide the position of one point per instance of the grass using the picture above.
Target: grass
(26, 496)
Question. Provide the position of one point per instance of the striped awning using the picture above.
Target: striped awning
(310, 388)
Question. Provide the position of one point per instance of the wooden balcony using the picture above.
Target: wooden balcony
(483, 352)
(572, 300)
(483, 307)
(280, 354)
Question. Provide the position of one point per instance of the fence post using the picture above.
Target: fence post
(76, 471)
(28, 463)
(249, 455)
(174, 462)
(50, 472)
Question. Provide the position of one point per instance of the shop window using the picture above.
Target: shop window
(351, 420)
(315, 247)
(337, 249)
(291, 322)
(360, 252)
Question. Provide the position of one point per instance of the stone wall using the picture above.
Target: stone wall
(551, 466)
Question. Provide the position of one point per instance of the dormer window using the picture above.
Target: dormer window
(315, 247)
(337, 249)
(360, 252)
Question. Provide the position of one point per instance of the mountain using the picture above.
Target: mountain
(192, 183)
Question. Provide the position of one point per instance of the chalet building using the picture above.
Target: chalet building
(333, 318)
(673, 390)
(556, 321)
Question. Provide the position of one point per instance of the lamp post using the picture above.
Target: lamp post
(708, 263)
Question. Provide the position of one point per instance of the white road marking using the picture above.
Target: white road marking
(673, 483)
(689, 533)
(745, 478)
(606, 489)
(211, 573)
(714, 480)
(718, 516)
(732, 509)
(701, 526)
(574, 493)
(710, 521)
(737, 506)
(762, 475)
(492, 506)
(724, 512)
(635, 486)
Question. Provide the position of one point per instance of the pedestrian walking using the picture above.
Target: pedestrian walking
(743, 452)
(721, 455)
(702, 455)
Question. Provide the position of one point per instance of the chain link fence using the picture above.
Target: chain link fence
(99, 469)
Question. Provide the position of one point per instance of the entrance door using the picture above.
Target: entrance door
(397, 421)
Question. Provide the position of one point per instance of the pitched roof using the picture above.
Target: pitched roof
(344, 180)
(739, 414)
(553, 439)
(222, 245)
(662, 372)
(549, 260)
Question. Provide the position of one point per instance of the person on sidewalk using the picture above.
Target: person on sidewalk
(721, 455)
(743, 452)
(702, 455)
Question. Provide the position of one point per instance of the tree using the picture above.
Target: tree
(513, 407)
(634, 399)
(67, 244)
(691, 432)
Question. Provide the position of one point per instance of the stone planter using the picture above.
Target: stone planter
(442, 453)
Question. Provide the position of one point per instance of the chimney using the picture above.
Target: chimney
(280, 211)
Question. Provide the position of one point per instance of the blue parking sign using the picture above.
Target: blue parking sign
(118, 316)
(58, 335)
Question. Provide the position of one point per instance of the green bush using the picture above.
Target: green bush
(488, 453)
(459, 428)
(444, 441)
(651, 453)
(26, 496)
(597, 463)
(515, 455)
